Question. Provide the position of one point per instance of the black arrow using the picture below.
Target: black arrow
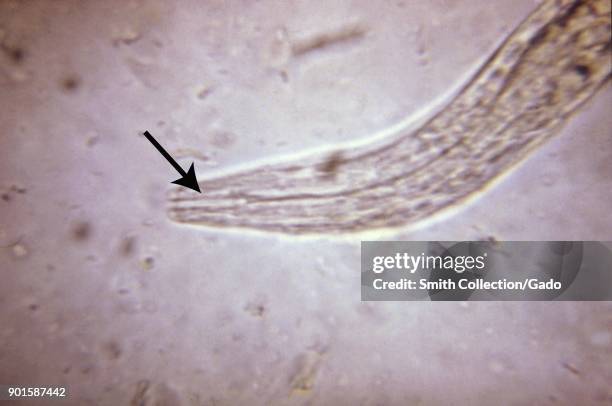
(188, 179)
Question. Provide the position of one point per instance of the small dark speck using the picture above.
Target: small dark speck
(539, 36)
(256, 309)
(87, 369)
(81, 231)
(204, 92)
(6, 197)
(33, 307)
(16, 54)
(70, 83)
(331, 165)
(18, 189)
(113, 350)
(147, 263)
(583, 70)
(127, 246)
(284, 76)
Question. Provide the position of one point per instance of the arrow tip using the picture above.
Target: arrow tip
(189, 180)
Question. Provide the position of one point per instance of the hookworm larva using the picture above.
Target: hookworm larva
(548, 67)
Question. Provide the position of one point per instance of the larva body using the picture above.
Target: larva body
(542, 73)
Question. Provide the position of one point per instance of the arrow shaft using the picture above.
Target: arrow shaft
(164, 153)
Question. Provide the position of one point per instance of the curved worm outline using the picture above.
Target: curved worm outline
(234, 199)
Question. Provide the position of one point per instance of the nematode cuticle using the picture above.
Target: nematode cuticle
(542, 73)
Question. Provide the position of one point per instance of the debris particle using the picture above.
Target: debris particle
(147, 263)
(331, 165)
(15, 53)
(490, 239)
(307, 365)
(87, 369)
(20, 250)
(189, 153)
(126, 37)
(92, 139)
(81, 231)
(203, 92)
(112, 350)
(325, 40)
(19, 189)
(127, 246)
(140, 396)
(277, 54)
(256, 309)
(570, 367)
(223, 139)
(70, 83)
(284, 76)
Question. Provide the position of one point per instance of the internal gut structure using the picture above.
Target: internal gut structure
(543, 72)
